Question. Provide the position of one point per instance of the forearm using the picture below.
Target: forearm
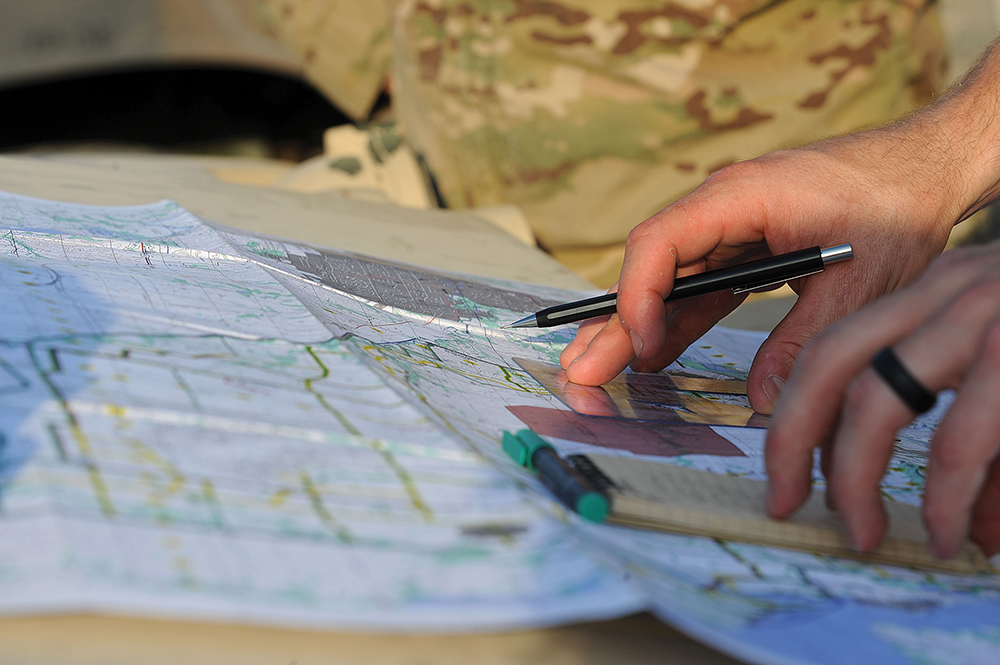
(966, 136)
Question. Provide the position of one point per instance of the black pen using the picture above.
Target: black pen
(745, 277)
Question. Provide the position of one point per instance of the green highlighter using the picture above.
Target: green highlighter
(564, 480)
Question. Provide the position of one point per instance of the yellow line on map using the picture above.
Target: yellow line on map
(404, 477)
(325, 516)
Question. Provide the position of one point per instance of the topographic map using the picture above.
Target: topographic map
(198, 422)
(180, 436)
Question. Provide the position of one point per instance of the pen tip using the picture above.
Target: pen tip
(529, 321)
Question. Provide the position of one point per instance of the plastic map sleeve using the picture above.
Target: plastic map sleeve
(437, 340)
(181, 437)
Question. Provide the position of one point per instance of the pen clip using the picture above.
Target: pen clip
(754, 287)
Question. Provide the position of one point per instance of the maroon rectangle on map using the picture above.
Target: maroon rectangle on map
(636, 436)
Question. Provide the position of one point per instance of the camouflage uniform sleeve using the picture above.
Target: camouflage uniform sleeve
(344, 46)
(591, 115)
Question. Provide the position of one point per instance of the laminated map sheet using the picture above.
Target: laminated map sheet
(439, 341)
(199, 422)
(180, 436)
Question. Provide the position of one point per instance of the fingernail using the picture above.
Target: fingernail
(852, 541)
(769, 499)
(941, 549)
(636, 342)
(772, 387)
(934, 546)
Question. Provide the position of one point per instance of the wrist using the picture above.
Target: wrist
(966, 131)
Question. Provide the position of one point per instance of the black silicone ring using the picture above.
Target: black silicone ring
(908, 389)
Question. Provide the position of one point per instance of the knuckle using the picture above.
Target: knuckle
(860, 391)
(824, 350)
(813, 350)
(948, 459)
(778, 441)
(985, 291)
(639, 232)
(736, 170)
(966, 264)
(954, 266)
(652, 230)
(975, 303)
(956, 257)
(991, 345)
(741, 172)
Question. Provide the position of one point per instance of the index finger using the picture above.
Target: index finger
(681, 235)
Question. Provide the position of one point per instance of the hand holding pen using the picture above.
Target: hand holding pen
(783, 201)
(746, 277)
(861, 188)
(896, 192)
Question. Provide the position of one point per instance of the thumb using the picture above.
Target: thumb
(777, 355)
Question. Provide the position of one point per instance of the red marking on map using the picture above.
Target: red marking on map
(636, 436)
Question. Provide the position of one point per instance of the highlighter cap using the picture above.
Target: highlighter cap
(513, 447)
(522, 447)
(532, 443)
(593, 506)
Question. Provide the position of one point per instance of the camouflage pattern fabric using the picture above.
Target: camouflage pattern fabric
(343, 46)
(592, 114)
